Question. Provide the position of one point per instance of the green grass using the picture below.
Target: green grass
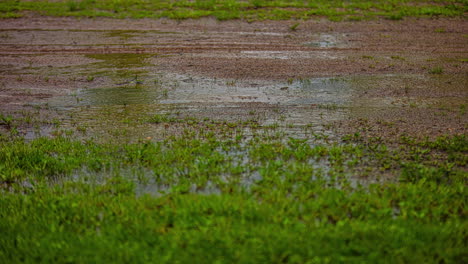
(436, 70)
(219, 195)
(234, 9)
(294, 27)
(109, 224)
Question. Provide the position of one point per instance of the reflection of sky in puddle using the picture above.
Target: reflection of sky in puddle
(288, 104)
(258, 33)
(300, 109)
(305, 102)
(321, 44)
(204, 90)
(124, 95)
(285, 55)
(324, 41)
(299, 92)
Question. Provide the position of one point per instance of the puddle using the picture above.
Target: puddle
(301, 108)
(286, 55)
(148, 181)
(126, 108)
(400, 91)
(122, 109)
(325, 41)
(221, 92)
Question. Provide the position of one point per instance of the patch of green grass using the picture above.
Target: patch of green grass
(6, 120)
(436, 70)
(107, 223)
(294, 26)
(214, 193)
(158, 118)
(10, 15)
(462, 109)
(235, 9)
(398, 58)
(395, 16)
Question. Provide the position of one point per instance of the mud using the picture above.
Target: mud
(383, 78)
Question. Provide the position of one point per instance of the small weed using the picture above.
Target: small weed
(6, 121)
(406, 89)
(73, 6)
(294, 27)
(436, 70)
(328, 106)
(462, 109)
(396, 16)
(165, 93)
(257, 3)
(398, 58)
(162, 118)
(231, 83)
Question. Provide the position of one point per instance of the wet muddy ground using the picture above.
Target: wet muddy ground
(108, 77)
(233, 142)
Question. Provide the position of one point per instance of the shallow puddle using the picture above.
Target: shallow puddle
(315, 103)
(326, 41)
(291, 105)
(285, 55)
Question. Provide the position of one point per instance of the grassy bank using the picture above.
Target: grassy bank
(234, 9)
(231, 197)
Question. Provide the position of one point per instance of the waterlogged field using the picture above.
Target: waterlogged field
(200, 141)
(215, 194)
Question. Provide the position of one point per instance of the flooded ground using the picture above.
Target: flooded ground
(149, 80)
(111, 77)
(234, 141)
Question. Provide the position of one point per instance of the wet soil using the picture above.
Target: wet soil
(383, 78)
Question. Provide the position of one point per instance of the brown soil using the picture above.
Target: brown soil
(43, 57)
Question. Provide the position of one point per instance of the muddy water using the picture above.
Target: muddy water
(292, 105)
(124, 90)
(133, 89)
(108, 84)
